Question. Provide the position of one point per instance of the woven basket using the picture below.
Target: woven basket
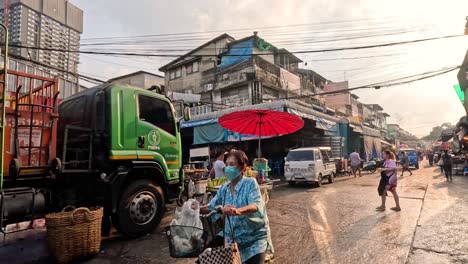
(72, 234)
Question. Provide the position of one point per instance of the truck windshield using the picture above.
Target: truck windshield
(301, 155)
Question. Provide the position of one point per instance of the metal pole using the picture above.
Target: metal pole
(5, 86)
(260, 139)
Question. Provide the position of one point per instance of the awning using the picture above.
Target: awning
(320, 122)
(185, 97)
(385, 143)
(370, 131)
(356, 129)
(198, 122)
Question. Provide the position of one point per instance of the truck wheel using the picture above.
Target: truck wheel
(319, 181)
(374, 169)
(292, 183)
(141, 208)
(331, 178)
(417, 166)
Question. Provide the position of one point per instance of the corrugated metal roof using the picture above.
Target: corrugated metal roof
(276, 105)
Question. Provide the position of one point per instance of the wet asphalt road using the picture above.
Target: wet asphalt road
(337, 223)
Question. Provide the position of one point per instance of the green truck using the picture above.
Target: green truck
(117, 146)
(120, 147)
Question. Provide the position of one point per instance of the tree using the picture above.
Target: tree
(437, 131)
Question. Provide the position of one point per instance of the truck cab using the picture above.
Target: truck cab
(120, 147)
(310, 165)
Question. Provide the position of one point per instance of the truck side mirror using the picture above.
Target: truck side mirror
(187, 114)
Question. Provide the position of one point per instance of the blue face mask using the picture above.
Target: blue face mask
(231, 173)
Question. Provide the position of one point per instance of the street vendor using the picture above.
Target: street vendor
(248, 222)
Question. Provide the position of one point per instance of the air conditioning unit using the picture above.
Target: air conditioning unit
(208, 87)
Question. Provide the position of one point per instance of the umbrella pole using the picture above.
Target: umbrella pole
(260, 139)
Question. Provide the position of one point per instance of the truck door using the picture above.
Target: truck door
(319, 166)
(157, 132)
(326, 162)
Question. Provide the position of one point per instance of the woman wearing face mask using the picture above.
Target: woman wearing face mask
(243, 204)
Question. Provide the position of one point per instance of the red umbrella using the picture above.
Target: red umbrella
(261, 123)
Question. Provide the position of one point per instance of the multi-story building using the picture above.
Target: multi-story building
(398, 133)
(52, 25)
(67, 86)
(228, 72)
(343, 102)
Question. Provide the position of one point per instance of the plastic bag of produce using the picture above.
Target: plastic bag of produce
(186, 230)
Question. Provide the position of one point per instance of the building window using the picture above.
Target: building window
(174, 74)
(192, 67)
(157, 113)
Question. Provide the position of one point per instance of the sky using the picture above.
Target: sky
(300, 26)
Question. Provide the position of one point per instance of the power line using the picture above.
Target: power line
(238, 29)
(388, 83)
(355, 58)
(311, 35)
(241, 55)
(81, 76)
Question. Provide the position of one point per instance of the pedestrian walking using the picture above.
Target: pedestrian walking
(405, 163)
(355, 163)
(388, 181)
(447, 159)
(430, 157)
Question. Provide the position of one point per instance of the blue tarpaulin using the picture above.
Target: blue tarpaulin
(237, 52)
(212, 133)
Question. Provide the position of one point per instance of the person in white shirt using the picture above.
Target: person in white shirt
(355, 163)
(218, 165)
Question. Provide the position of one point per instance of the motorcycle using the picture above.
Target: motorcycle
(372, 165)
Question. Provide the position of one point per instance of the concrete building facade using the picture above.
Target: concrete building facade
(47, 24)
(227, 72)
(141, 79)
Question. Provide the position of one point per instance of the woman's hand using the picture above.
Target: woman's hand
(204, 210)
(230, 210)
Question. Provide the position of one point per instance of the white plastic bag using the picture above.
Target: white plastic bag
(188, 214)
(187, 227)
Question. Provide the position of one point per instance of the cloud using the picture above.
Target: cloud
(425, 102)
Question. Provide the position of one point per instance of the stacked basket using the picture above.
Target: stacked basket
(72, 234)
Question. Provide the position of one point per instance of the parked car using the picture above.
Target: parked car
(412, 156)
(310, 165)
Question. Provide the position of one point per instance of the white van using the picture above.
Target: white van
(310, 165)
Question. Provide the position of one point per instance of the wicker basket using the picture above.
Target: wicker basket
(72, 234)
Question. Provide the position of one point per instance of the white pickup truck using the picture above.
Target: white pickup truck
(309, 165)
